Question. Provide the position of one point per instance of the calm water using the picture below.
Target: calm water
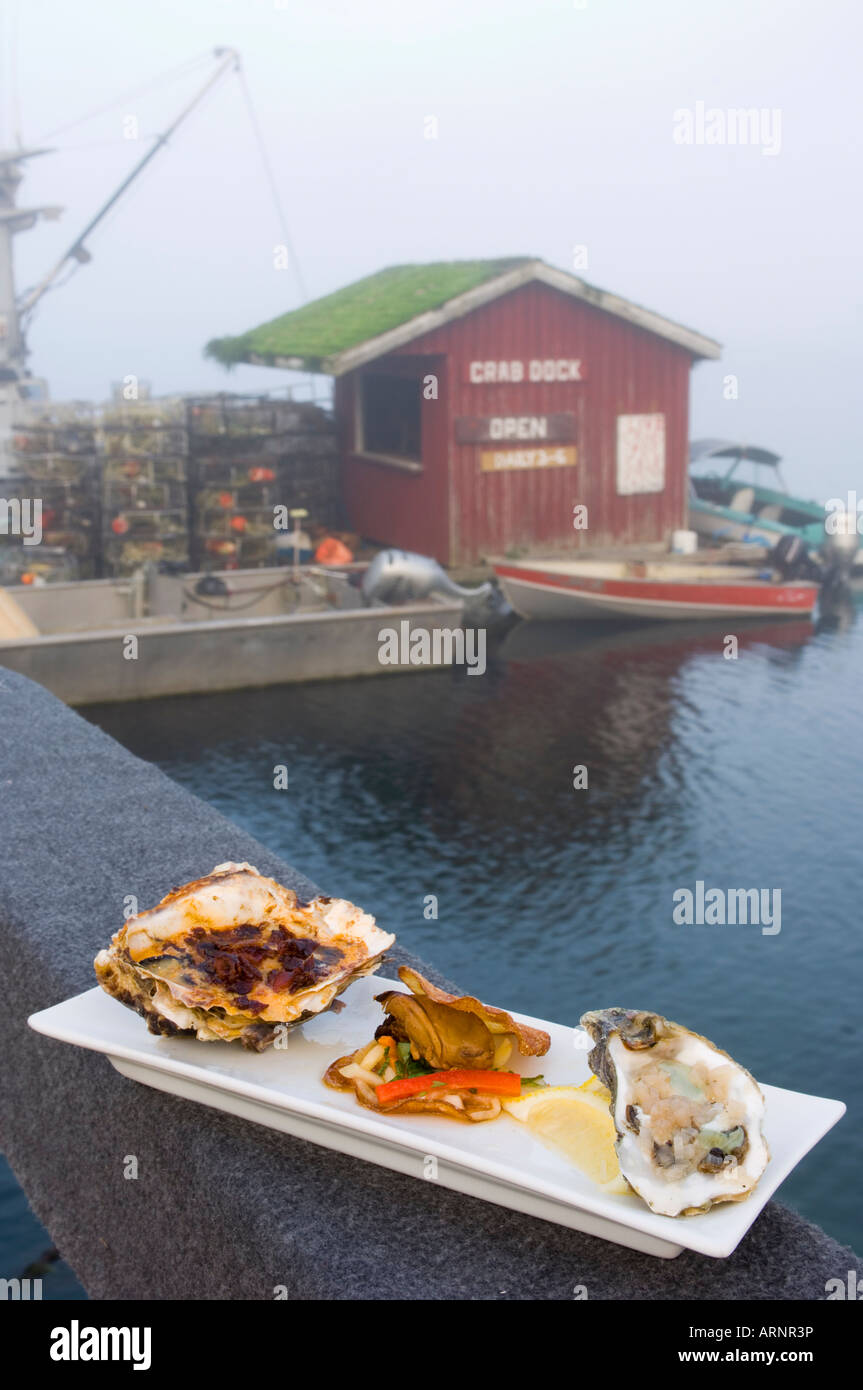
(553, 900)
(26, 1251)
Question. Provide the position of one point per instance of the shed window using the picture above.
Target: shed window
(390, 415)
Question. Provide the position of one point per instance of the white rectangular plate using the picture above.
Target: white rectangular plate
(498, 1161)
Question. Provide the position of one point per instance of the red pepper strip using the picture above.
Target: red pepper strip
(499, 1083)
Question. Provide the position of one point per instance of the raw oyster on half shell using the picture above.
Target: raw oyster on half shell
(688, 1118)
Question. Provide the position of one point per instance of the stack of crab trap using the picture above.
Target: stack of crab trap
(54, 475)
(144, 485)
(251, 461)
(201, 483)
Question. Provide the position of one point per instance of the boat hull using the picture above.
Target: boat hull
(184, 658)
(718, 525)
(549, 595)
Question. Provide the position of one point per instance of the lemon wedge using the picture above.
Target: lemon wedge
(595, 1087)
(575, 1121)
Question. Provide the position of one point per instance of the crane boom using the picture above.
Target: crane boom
(229, 61)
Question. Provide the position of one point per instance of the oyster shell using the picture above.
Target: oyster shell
(688, 1117)
(238, 957)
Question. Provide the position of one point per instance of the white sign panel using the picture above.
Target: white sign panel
(640, 454)
(535, 369)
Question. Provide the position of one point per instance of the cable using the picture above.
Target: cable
(257, 592)
(264, 590)
(100, 144)
(274, 190)
(14, 87)
(28, 317)
(170, 75)
(5, 64)
(228, 59)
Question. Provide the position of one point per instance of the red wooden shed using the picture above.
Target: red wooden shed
(487, 407)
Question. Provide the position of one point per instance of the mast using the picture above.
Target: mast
(13, 352)
(14, 311)
(13, 219)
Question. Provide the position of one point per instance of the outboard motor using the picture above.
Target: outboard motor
(841, 543)
(399, 576)
(790, 556)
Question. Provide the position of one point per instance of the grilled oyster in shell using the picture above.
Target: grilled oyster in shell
(238, 957)
(688, 1118)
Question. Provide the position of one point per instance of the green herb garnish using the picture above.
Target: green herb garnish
(408, 1065)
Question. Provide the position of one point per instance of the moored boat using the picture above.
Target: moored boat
(227, 630)
(727, 507)
(660, 590)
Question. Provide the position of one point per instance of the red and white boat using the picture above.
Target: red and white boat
(654, 590)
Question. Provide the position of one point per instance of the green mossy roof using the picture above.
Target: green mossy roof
(329, 326)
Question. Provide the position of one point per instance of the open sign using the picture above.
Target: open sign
(487, 429)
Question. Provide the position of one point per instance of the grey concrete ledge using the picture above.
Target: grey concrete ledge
(224, 1209)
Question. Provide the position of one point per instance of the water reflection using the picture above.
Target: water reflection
(552, 899)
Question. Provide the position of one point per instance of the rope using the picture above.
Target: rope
(257, 590)
(27, 315)
(170, 75)
(101, 144)
(271, 179)
(14, 88)
(256, 593)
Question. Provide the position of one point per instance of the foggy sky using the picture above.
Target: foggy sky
(556, 123)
